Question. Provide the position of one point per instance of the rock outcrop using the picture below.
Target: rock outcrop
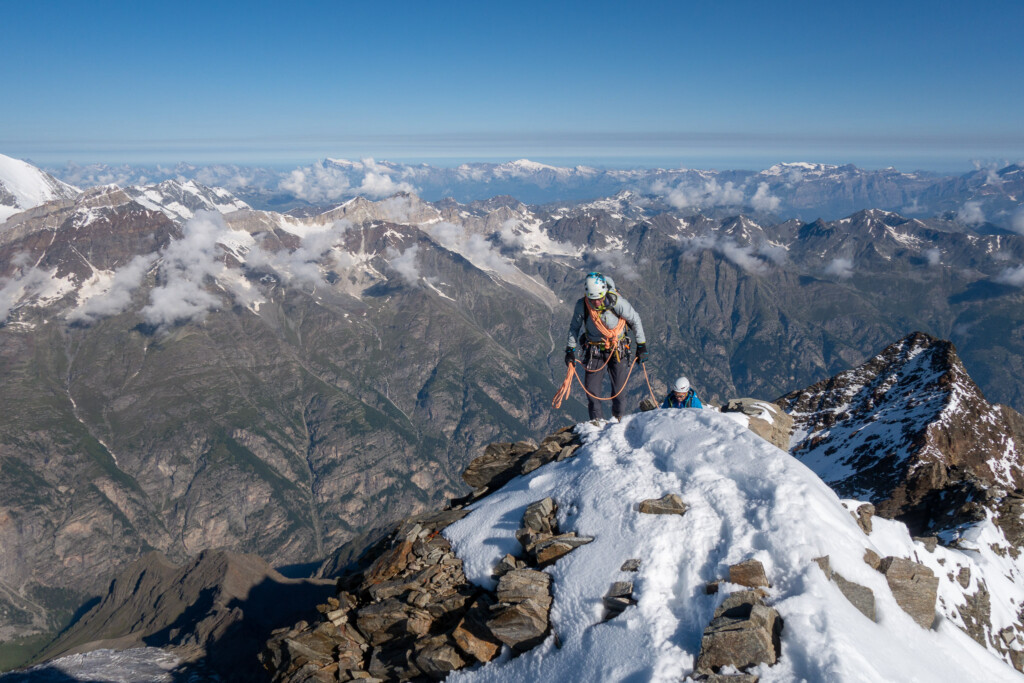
(912, 433)
(744, 633)
(914, 586)
(412, 614)
(766, 420)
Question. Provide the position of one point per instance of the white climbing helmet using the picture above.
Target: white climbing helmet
(596, 286)
(681, 386)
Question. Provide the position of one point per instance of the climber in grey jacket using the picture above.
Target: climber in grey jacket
(599, 324)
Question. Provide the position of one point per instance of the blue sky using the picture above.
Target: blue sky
(717, 84)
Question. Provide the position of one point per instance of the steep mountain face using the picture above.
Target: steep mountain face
(911, 432)
(219, 598)
(280, 384)
(282, 427)
(23, 186)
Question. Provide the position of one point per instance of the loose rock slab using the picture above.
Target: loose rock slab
(749, 573)
(859, 596)
(914, 586)
(669, 504)
(744, 633)
(521, 626)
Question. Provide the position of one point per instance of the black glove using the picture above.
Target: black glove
(641, 352)
(570, 355)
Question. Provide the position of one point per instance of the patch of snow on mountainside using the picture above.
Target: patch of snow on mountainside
(23, 186)
(531, 238)
(182, 201)
(746, 499)
(137, 665)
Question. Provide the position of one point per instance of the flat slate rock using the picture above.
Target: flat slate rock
(551, 549)
(669, 504)
(914, 586)
(521, 626)
(749, 573)
(859, 596)
(524, 584)
(742, 637)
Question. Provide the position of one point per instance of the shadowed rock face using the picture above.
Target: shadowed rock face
(911, 432)
(218, 609)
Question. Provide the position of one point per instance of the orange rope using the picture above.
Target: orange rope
(649, 383)
(566, 388)
(609, 337)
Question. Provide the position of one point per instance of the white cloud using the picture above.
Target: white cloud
(776, 253)
(970, 214)
(913, 207)
(317, 183)
(707, 194)
(306, 263)
(1012, 276)
(934, 257)
(615, 264)
(118, 294)
(13, 290)
(187, 267)
(322, 182)
(477, 249)
(744, 257)
(1017, 220)
(404, 263)
(841, 268)
(764, 200)
(381, 185)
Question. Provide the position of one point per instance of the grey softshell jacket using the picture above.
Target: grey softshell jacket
(610, 317)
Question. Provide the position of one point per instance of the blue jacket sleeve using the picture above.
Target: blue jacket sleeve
(576, 325)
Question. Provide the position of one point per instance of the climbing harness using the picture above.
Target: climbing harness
(566, 388)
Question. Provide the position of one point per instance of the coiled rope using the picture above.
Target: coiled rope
(566, 388)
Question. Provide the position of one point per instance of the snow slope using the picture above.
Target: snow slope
(746, 499)
(23, 186)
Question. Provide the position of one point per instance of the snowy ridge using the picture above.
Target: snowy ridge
(181, 201)
(909, 407)
(23, 186)
(746, 499)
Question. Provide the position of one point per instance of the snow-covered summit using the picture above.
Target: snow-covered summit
(632, 550)
(23, 186)
(804, 168)
(746, 500)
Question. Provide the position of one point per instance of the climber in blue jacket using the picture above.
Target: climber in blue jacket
(682, 396)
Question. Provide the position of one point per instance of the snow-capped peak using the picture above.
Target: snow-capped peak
(802, 167)
(23, 186)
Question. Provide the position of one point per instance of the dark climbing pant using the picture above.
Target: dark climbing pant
(617, 371)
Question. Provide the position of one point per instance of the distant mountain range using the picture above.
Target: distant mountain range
(183, 371)
(988, 199)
